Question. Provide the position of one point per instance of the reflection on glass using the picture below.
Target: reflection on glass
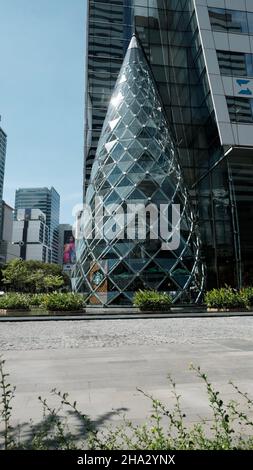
(237, 64)
(240, 109)
(139, 166)
(231, 21)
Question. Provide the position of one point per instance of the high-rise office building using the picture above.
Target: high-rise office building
(201, 56)
(109, 29)
(8, 250)
(48, 201)
(3, 144)
(31, 235)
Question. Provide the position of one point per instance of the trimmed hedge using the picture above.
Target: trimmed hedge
(60, 302)
(152, 300)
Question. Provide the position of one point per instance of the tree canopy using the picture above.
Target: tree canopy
(33, 276)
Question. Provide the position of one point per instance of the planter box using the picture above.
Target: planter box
(238, 309)
(39, 313)
(65, 312)
(10, 311)
(168, 310)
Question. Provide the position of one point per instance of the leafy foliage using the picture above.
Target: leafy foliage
(230, 428)
(14, 274)
(6, 397)
(226, 430)
(35, 300)
(152, 300)
(33, 276)
(63, 302)
(14, 301)
(247, 294)
(225, 298)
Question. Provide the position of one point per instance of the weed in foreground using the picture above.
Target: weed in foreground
(165, 429)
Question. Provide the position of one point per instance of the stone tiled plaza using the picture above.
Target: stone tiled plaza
(101, 363)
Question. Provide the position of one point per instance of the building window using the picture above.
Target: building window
(250, 22)
(240, 109)
(236, 64)
(231, 21)
(41, 233)
(44, 254)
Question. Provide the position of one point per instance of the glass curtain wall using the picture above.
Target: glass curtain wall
(136, 168)
(110, 25)
(168, 32)
(172, 44)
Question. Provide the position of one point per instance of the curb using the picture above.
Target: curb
(130, 316)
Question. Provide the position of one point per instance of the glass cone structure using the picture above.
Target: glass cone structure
(136, 166)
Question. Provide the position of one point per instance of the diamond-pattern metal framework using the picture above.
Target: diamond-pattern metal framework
(136, 162)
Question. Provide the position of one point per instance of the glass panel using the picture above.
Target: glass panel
(240, 109)
(237, 21)
(235, 63)
(250, 22)
(137, 138)
(232, 21)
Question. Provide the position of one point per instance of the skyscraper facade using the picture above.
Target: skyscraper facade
(31, 235)
(136, 168)
(8, 250)
(3, 144)
(200, 53)
(48, 201)
(109, 30)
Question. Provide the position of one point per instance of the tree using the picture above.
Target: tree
(53, 282)
(15, 275)
(33, 276)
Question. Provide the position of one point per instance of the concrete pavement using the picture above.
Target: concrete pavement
(102, 366)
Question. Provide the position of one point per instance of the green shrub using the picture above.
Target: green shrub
(14, 302)
(36, 300)
(152, 300)
(63, 302)
(247, 294)
(225, 297)
(33, 276)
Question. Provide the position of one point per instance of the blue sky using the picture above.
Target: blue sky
(42, 96)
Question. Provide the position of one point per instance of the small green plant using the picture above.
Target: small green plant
(35, 300)
(152, 300)
(247, 294)
(225, 298)
(6, 397)
(63, 302)
(166, 428)
(230, 427)
(14, 302)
